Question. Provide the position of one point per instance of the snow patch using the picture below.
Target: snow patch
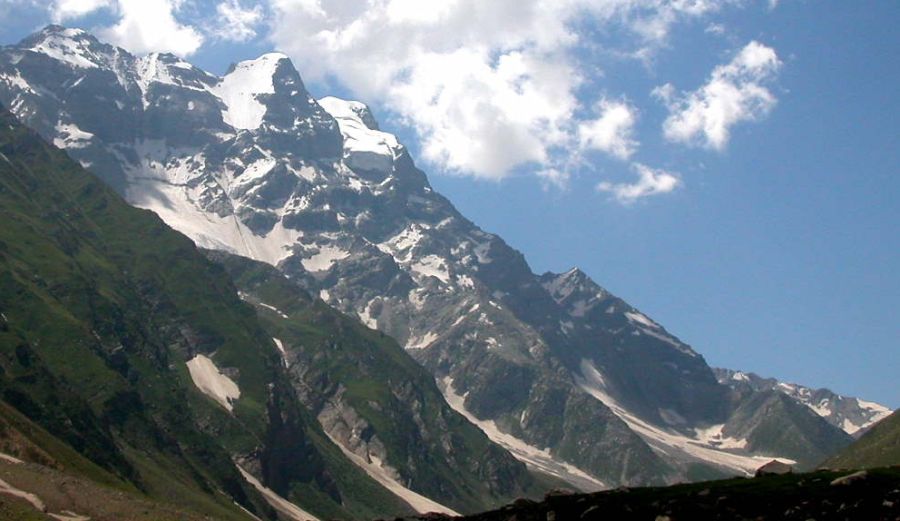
(416, 299)
(365, 148)
(70, 136)
(174, 205)
(377, 471)
(704, 447)
(740, 377)
(465, 281)
(823, 408)
(240, 90)
(580, 308)
(211, 382)
(421, 342)
(280, 345)
(283, 506)
(64, 48)
(874, 407)
(272, 308)
(255, 171)
(400, 245)
(713, 437)
(431, 266)
(538, 459)
(669, 340)
(323, 260)
(639, 318)
(367, 318)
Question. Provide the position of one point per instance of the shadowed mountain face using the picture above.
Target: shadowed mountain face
(374, 399)
(572, 380)
(122, 341)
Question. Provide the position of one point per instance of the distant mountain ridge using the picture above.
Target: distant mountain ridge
(852, 415)
(572, 380)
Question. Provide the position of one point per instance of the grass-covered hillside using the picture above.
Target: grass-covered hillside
(878, 447)
(101, 308)
(372, 395)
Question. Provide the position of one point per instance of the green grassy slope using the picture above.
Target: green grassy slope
(336, 358)
(101, 305)
(879, 447)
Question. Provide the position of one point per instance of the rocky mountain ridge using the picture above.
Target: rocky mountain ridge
(852, 415)
(572, 380)
(128, 360)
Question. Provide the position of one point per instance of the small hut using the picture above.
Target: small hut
(774, 468)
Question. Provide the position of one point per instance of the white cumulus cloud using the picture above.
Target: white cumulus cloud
(235, 22)
(62, 10)
(151, 26)
(612, 132)
(651, 181)
(487, 86)
(736, 92)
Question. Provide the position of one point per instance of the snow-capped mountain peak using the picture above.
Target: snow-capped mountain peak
(852, 415)
(366, 149)
(73, 47)
(170, 70)
(250, 163)
(243, 86)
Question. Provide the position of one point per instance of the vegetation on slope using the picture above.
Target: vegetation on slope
(101, 305)
(878, 447)
(338, 363)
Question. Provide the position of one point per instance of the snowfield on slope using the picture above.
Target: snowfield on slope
(211, 382)
(535, 458)
(240, 89)
(283, 506)
(708, 446)
(376, 471)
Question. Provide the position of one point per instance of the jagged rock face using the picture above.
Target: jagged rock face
(374, 400)
(251, 164)
(852, 415)
(153, 370)
(773, 422)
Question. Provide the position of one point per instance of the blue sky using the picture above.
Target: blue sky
(751, 206)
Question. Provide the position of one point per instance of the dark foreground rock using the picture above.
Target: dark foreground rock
(825, 495)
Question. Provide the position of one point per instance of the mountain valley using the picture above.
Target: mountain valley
(329, 334)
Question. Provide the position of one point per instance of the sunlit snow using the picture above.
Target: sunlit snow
(708, 445)
(211, 382)
(538, 459)
(240, 90)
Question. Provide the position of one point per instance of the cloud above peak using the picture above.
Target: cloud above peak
(150, 26)
(141, 26)
(490, 88)
(63, 10)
